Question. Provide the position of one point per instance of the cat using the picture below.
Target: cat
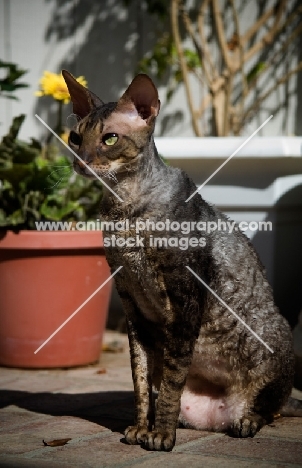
(210, 371)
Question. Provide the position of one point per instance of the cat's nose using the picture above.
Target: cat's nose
(84, 159)
(81, 163)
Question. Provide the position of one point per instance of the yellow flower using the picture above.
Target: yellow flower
(54, 85)
(65, 136)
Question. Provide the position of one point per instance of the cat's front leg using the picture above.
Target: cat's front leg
(141, 365)
(177, 360)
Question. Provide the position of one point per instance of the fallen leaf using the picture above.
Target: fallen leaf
(56, 442)
(113, 347)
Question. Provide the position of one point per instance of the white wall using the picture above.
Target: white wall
(103, 41)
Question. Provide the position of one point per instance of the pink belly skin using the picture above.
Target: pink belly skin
(212, 413)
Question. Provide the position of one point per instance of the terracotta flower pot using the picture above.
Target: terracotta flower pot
(44, 278)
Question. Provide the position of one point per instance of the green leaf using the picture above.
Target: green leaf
(15, 219)
(54, 210)
(8, 140)
(8, 86)
(10, 82)
(16, 173)
(192, 59)
(38, 184)
(255, 71)
(160, 59)
(5, 161)
(24, 154)
(8, 96)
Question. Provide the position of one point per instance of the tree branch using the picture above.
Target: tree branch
(270, 35)
(241, 62)
(272, 60)
(207, 100)
(183, 64)
(265, 95)
(201, 54)
(221, 37)
(203, 41)
(257, 25)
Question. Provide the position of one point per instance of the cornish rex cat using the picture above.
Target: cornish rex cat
(210, 370)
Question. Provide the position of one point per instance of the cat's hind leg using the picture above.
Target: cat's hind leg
(247, 426)
(261, 406)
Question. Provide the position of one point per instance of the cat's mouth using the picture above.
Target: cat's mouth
(85, 171)
(100, 171)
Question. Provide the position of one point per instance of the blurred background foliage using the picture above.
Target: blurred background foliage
(10, 82)
(218, 63)
(208, 43)
(38, 184)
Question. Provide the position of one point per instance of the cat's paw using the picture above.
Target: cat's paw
(159, 440)
(135, 434)
(246, 426)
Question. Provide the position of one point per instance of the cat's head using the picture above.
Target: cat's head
(110, 137)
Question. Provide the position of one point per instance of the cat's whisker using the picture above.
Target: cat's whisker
(64, 167)
(109, 175)
(57, 183)
(113, 175)
(58, 171)
(63, 177)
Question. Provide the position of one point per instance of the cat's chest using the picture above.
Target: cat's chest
(141, 278)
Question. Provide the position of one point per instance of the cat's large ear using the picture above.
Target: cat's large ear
(84, 101)
(141, 95)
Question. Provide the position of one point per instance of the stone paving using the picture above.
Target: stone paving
(93, 405)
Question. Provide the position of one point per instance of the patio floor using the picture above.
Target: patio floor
(93, 405)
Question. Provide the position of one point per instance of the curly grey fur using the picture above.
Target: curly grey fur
(182, 339)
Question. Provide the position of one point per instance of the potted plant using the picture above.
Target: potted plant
(48, 270)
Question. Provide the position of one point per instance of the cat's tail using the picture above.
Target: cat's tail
(292, 407)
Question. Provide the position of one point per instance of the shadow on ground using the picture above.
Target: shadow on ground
(113, 410)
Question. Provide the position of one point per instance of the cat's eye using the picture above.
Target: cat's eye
(110, 139)
(74, 138)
